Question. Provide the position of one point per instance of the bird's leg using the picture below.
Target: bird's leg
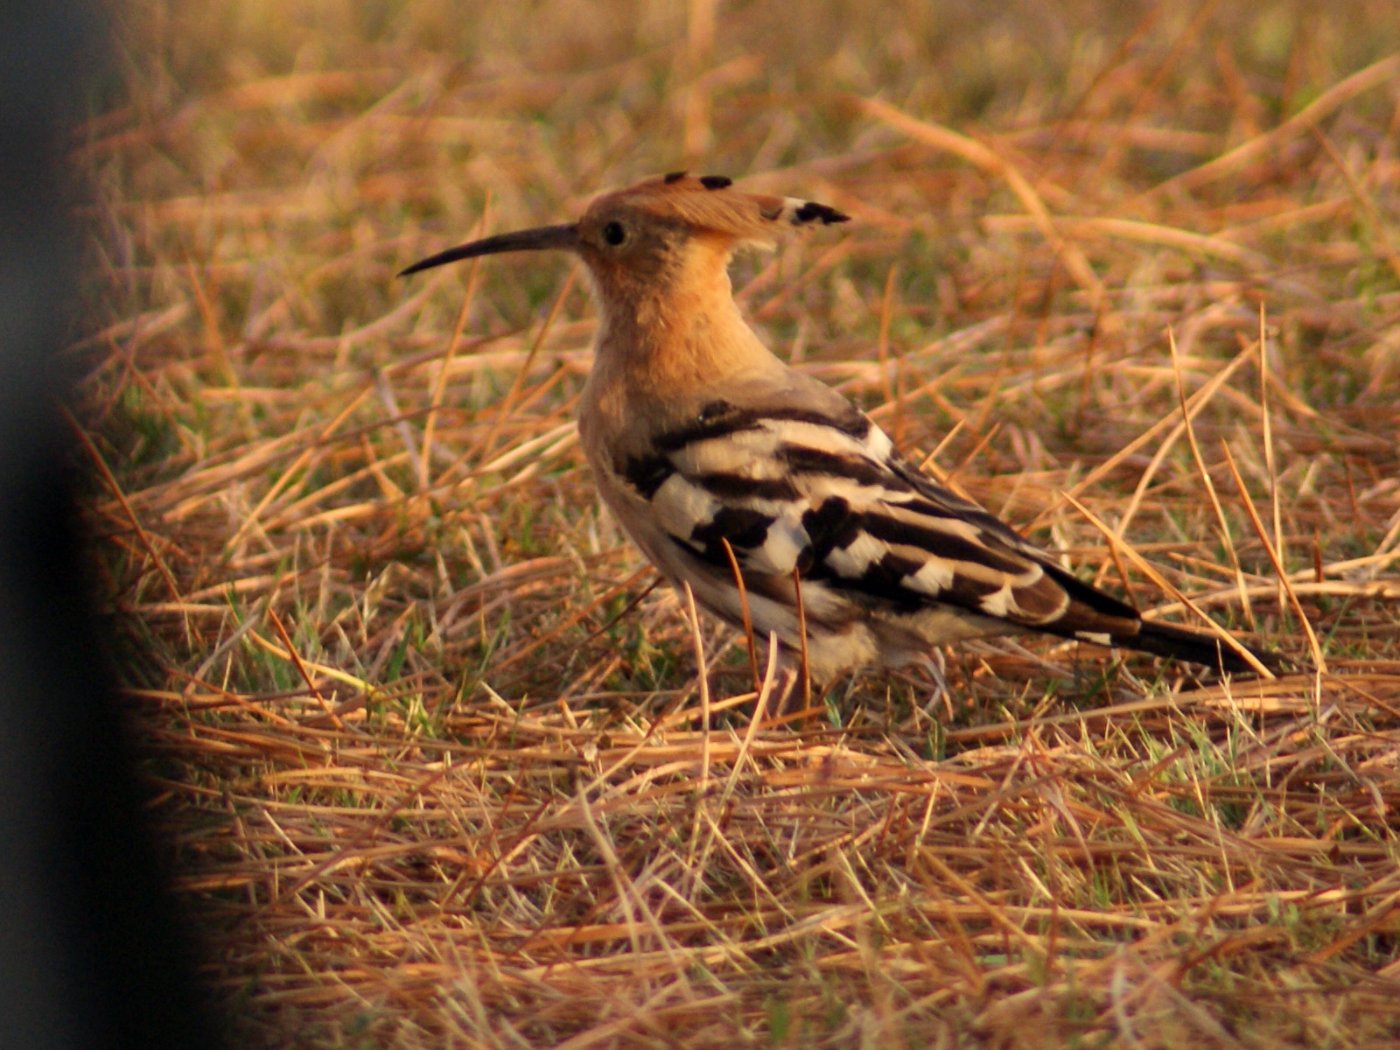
(935, 666)
(786, 696)
(931, 667)
(781, 677)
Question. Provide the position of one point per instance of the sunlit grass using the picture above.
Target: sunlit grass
(433, 758)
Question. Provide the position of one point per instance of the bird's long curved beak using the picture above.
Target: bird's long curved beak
(538, 239)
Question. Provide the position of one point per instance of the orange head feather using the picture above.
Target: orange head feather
(657, 213)
(658, 254)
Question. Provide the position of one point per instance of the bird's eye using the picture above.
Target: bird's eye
(614, 234)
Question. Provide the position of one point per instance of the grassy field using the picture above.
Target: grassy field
(431, 752)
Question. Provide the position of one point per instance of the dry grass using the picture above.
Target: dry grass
(434, 763)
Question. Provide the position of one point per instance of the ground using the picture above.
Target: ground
(432, 756)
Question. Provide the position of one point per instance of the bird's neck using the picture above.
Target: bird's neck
(680, 333)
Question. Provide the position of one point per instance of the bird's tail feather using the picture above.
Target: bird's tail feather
(1164, 639)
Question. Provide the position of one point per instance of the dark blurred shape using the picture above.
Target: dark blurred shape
(91, 950)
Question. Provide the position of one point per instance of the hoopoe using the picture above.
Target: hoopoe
(774, 498)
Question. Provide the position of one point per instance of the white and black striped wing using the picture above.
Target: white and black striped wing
(788, 488)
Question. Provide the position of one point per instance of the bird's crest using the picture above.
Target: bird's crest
(710, 203)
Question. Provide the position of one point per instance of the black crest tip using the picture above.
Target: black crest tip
(811, 211)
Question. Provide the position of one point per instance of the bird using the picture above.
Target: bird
(776, 501)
